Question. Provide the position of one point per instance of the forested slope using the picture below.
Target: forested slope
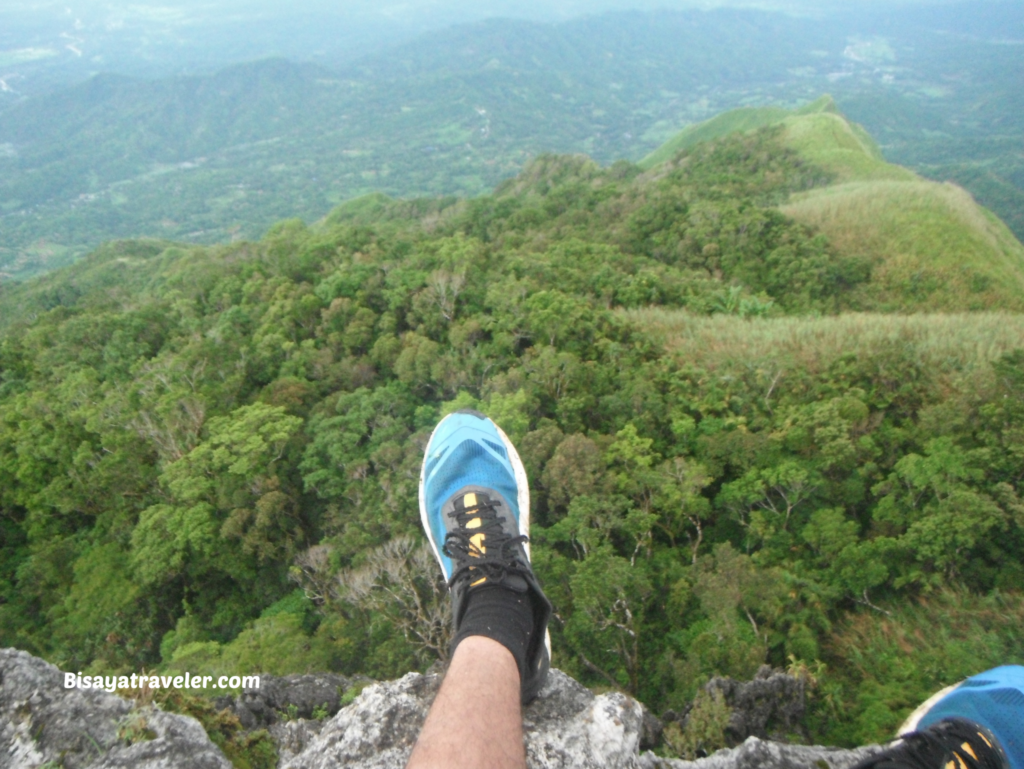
(209, 455)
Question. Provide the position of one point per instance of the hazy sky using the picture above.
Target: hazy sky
(171, 10)
(45, 42)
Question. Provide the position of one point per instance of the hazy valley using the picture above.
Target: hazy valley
(210, 158)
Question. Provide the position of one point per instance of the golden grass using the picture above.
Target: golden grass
(934, 248)
(952, 343)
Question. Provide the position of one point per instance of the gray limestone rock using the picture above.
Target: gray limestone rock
(761, 754)
(566, 726)
(44, 724)
(293, 737)
(771, 705)
(41, 722)
(302, 695)
(377, 730)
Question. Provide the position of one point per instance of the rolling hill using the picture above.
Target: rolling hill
(929, 244)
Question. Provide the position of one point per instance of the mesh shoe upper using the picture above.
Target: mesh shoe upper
(995, 700)
(468, 450)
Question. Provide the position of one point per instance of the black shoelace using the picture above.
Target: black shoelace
(931, 748)
(498, 558)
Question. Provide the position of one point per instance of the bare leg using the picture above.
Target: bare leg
(476, 721)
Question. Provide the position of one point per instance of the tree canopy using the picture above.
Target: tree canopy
(209, 456)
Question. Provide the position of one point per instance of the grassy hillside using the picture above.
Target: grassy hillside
(929, 245)
(742, 119)
(223, 156)
(947, 344)
(829, 140)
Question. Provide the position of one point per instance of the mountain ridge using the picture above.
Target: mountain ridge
(919, 236)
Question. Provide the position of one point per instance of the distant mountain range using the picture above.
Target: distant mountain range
(223, 156)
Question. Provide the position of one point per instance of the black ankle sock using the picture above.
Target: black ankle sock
(501, 614)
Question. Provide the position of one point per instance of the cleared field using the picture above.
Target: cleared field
(952, 343)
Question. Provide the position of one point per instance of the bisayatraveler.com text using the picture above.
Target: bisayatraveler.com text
(136, 681)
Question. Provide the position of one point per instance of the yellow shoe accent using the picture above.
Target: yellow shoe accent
(469, 500)
(477, 541)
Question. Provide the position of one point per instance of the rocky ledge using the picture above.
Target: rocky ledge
(44, 725)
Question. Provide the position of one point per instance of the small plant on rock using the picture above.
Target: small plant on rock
(703, 731)
(135, 728)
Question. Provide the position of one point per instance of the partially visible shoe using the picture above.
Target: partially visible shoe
(475, 508)
(978, 724)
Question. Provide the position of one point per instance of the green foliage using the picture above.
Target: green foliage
(929, 246)
(134, 728)
(704, 729)
(882, 666)
(723, 474)
(113, 157)
(351, 693)
(741, 119)
(925, 245)
(245, 750)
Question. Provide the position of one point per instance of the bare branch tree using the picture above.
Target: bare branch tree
(401, 581)
(173, 434)
(312, 571)
(446, 287)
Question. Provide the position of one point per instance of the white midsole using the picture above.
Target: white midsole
(423, 500)
(910, 725)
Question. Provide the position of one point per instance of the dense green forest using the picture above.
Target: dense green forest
(222, 156)
(209, 455)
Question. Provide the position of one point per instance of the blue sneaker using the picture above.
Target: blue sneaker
(475, 508)
(978, 724)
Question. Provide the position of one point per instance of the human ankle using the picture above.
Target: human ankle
(502, 615)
